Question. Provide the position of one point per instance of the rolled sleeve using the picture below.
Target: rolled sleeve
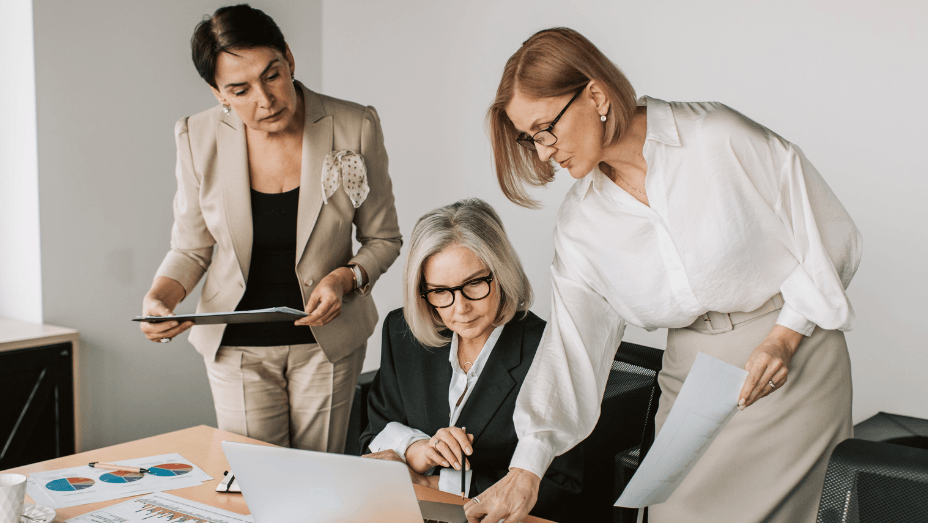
(533, 455)
(791, 319)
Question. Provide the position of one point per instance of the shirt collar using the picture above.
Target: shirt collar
(661, 125)
(481, 360)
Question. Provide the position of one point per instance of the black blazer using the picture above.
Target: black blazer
(412, 388)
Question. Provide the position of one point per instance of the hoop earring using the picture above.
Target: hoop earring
(602, 118)
(226, 109)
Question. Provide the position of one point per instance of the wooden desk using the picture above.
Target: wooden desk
(200, 445)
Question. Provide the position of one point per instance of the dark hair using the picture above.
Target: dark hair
(232, 27)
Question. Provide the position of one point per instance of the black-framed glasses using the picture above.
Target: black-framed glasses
(476, 289)
(545, 136)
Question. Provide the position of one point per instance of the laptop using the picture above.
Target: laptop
(284, 485)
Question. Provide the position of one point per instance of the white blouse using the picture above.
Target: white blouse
(737, 214)
(399, 437)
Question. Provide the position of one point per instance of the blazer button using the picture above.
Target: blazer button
(309, 283)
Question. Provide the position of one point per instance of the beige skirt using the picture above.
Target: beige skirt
(768, 464)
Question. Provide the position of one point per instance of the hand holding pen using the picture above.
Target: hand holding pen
(447, 448)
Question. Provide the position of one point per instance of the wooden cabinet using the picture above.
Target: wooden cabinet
(38, 403)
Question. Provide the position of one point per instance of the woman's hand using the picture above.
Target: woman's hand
(510, 498)
(325, 303)
(164, 295)
(418, 479)
(769, 363)
(444, 449)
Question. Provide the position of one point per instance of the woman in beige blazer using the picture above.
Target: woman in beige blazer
(271, 182)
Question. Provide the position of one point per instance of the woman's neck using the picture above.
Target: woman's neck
(624, 158)
(469, 348)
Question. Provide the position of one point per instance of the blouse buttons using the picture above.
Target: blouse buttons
(309, 282)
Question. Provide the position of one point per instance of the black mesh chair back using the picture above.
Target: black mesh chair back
(623, 434)
(357, 421)
(873, 482)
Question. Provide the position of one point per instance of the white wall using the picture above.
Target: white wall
(112, 77)
(20, 257)
(844, 80)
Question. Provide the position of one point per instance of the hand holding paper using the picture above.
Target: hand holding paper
(706, 403)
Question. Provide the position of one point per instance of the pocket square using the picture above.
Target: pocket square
(345, 168)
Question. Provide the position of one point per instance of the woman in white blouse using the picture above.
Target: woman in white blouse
(692, 217)
(453, 360)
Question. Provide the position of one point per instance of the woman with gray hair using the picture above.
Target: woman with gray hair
(449, 389)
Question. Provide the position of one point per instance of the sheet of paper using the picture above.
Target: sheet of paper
(81, 485)
(706, 403)
(161, 507)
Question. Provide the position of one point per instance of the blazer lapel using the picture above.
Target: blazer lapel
(317, 143)
(437, 378)
(232, 151)
(495, 383)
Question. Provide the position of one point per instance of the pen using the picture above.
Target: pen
(108, 466)
(463, 486)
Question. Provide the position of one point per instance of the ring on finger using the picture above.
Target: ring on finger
(772, 384)
(165, 340)
(476, 500)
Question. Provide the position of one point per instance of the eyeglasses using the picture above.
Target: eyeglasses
(476, 289)
(545, 136)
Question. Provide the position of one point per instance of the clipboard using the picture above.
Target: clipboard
(214, 318)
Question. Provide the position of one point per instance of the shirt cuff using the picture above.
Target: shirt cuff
(449, 480)
(791, 319)
(397, 437)
(533, 455)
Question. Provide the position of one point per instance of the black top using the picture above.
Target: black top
(272, 280)
(411, 388)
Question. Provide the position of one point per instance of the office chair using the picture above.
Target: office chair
(623, 434)
(874, 482)
(357, 421)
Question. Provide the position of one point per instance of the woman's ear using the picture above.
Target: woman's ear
(219, 96)
(596, 94)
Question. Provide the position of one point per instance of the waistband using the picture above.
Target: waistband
(718, 322)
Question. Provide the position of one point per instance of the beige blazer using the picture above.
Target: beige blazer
(212, 230)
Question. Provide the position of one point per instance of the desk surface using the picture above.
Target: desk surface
(15, 334)
(201, 445)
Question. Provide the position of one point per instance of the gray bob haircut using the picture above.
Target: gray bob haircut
(471, 223)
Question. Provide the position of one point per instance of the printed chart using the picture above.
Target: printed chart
(121, 476)
(161, 507)
(69, 484)
(170, 469)
(80, 485)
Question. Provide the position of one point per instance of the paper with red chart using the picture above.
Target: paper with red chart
(84, 484)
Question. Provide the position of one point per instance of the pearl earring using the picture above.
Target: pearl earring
(602, 118)
(226, 109)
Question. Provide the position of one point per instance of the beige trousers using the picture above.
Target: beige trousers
(768, 464)
(288, 395)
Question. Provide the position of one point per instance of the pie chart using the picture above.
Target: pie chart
(170, 469)
(69, 484)
(121, 476)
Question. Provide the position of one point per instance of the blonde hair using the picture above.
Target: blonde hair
(471, 223)
(553, 62)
